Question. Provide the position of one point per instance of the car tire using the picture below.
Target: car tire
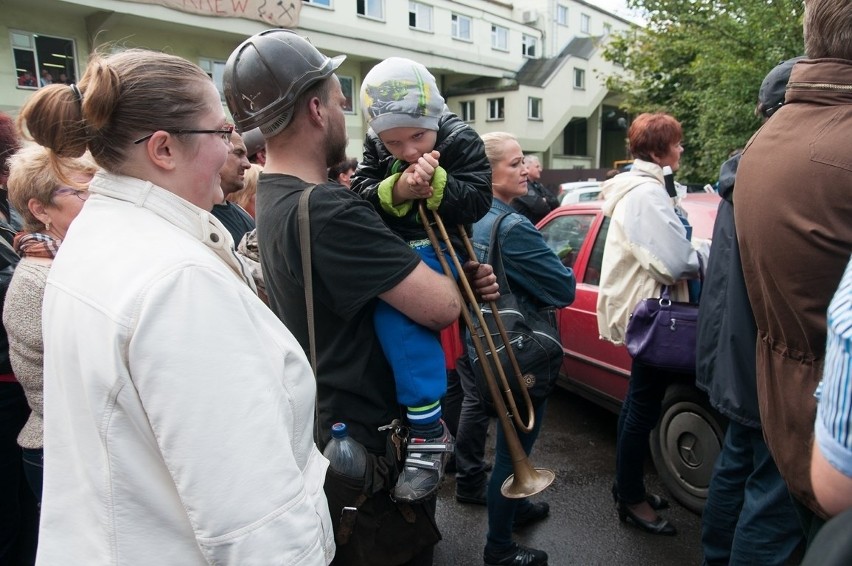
(686, 443)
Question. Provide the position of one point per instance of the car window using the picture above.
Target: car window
(593, 269)
(565, 235)
(589, 196)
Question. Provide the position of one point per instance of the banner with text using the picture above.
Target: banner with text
(280, 13)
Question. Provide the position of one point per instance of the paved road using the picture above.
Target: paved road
(578, 443)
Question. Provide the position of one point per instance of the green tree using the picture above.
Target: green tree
(703, 62)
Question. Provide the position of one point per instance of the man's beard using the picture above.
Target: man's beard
(335, 149)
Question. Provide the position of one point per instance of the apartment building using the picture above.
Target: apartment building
(530, 67)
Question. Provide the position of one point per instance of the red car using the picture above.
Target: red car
(690, 433)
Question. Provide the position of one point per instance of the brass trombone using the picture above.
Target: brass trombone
(525, 480)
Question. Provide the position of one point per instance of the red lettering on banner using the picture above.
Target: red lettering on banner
(238, 6)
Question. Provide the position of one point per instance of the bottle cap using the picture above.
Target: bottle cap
(338, 430)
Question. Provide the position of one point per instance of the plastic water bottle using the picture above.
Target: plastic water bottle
(346, 456)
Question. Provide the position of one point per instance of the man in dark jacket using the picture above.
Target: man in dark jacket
(18, 507)
(749, 517)
(538, 201)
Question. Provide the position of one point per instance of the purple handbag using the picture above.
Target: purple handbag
(662, 333)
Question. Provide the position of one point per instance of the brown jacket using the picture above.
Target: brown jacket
(793, 212)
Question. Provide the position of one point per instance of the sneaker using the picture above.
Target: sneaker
(423, 469)
(517, 555)
(529, 514)
(474, 497)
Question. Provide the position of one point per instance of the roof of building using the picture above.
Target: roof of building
(536, 72)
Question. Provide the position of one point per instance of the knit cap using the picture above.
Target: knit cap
(401, 93)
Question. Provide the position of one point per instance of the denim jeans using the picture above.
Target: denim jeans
(749, 518)
(18, 510)
(638, 417)
(501, 510)
(472, 433)
(34, 470)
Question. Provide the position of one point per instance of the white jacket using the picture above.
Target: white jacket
(646, 247)
(178, 409)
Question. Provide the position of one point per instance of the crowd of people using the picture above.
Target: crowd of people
(166, 392)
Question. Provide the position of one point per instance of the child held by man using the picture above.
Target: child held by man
(417, 150)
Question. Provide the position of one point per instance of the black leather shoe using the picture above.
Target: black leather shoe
(516, 556)
(658, 527)
(656, 502)
(532, 513)
(475, 497)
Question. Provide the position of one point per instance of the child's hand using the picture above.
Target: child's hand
(425, 167)
(415, 181)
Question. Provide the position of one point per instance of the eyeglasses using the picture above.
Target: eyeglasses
(82, 195)
(225, 132)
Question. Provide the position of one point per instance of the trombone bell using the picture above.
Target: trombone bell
(526, 480)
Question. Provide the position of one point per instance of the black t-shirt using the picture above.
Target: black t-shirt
(236, 220)
(355, 258)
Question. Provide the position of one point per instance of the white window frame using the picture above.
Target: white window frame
(215, 69)
(421, 14)
(319, 3)
(374, 9)
(562, 15)
(579, 78)
(496, 109)
(585, 23)
(457, 27)
(529, 46)
(534, 108)
(468, 110)
(499, 38)
(25, 41)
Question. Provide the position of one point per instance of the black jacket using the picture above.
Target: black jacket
(8, 261)
(537, 203)
(727, 332)
(467, 196)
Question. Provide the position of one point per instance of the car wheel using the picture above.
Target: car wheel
(685, 444)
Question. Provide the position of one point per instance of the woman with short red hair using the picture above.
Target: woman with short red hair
(647, 246)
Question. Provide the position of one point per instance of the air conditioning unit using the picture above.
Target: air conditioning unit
(529, 16)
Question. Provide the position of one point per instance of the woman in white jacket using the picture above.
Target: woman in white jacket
(647, 246)
(178, 409)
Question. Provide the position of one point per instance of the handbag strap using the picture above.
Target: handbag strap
(495, 257)
(307, 275)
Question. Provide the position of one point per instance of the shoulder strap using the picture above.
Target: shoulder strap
(495, 258)
(307, 275)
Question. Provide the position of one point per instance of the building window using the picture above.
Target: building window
(499, 38)
(534, 108)
(372, 9)
(585, 23)
(215, 70)
(468, 110)
(575, 137)
(528, 46)
(42, 60)
(495, 108)
(420, 16)
(347, 85)
(579, 78)
(561, 15)
(325, 3)
(462, 27)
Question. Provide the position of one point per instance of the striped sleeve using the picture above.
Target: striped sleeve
(833, 428)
